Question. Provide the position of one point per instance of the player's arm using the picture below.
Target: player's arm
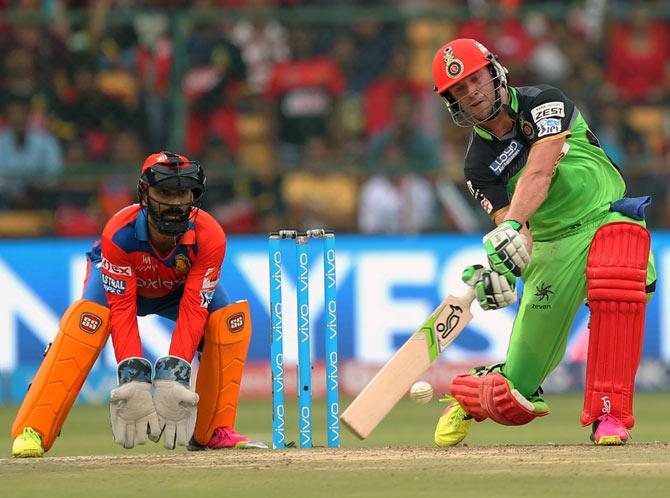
(120, 283)
(533, 186)
(198, 291)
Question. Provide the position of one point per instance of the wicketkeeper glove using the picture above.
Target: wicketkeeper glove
(506, 248)
(175, 402)
(131, 409)
(492, 290)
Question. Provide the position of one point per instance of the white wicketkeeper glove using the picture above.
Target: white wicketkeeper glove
(492, 290)
(175, 403)
(506, 249)
(131, 409)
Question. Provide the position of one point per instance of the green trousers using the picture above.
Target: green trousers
(554, 289)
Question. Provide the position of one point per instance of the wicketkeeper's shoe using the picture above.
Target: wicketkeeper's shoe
(225, 437)
(28, 444)
(454, 424)
(608, 430)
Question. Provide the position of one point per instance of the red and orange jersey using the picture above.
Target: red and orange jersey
(131, 268)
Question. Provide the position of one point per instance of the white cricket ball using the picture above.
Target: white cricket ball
(421, 392)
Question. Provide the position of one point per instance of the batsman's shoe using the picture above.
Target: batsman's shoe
(28, 444)
(454, 424)
(608, 430)
(225, 437)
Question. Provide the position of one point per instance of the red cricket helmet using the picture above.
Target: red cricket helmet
(459, 59)
(166, 170)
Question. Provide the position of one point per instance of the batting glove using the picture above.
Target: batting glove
(506, 248)
(492, 290)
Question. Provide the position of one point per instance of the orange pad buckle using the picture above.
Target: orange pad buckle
(224, 353)
(84, 329)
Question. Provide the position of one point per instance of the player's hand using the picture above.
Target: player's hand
(131, 409)
(506, 248)
(175, 402)
(492, 290)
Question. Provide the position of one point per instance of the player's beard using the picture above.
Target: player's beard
(485, 110)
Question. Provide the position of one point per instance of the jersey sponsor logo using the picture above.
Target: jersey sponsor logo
(548, 110)
(472, 190)
(212, 276)
(486, 204)
(112, 285)
(548, 127)
(123, 271)
(206, 298)
(236, 323)
(542, 292)
(89, 323)
(506, 157)
(147, 264)
(181, 264)
(158, 282)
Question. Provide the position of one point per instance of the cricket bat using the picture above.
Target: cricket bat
(395, 378)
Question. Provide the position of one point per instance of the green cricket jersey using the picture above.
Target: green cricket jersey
(585, 181)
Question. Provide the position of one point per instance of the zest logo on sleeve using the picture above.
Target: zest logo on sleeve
(548, 110)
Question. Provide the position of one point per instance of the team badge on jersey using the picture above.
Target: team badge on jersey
(526, 128)
(181, 264)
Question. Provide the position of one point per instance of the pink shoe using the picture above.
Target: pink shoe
(608, 430)
(225, 437)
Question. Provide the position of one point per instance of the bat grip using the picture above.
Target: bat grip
(469, 296)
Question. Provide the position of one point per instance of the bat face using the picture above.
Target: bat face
(407, 365)
(450, 321)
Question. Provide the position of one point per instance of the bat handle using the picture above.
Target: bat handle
(469, 296)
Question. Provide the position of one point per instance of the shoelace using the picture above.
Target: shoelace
(459, 415)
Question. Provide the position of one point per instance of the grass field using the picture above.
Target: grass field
(550, 457)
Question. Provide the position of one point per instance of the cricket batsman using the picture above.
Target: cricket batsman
(565, 227)
(162, 256)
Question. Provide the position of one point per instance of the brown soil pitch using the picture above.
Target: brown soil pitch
(632, 459)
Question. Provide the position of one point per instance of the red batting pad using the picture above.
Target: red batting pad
(616, 273)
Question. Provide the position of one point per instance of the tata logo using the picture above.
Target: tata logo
(506, 157)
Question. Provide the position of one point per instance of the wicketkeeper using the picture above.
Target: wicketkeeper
(162, 256)
(566, 228)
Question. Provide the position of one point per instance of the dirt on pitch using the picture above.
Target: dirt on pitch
(632, 459)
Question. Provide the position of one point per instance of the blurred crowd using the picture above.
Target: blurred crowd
(300, 120)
